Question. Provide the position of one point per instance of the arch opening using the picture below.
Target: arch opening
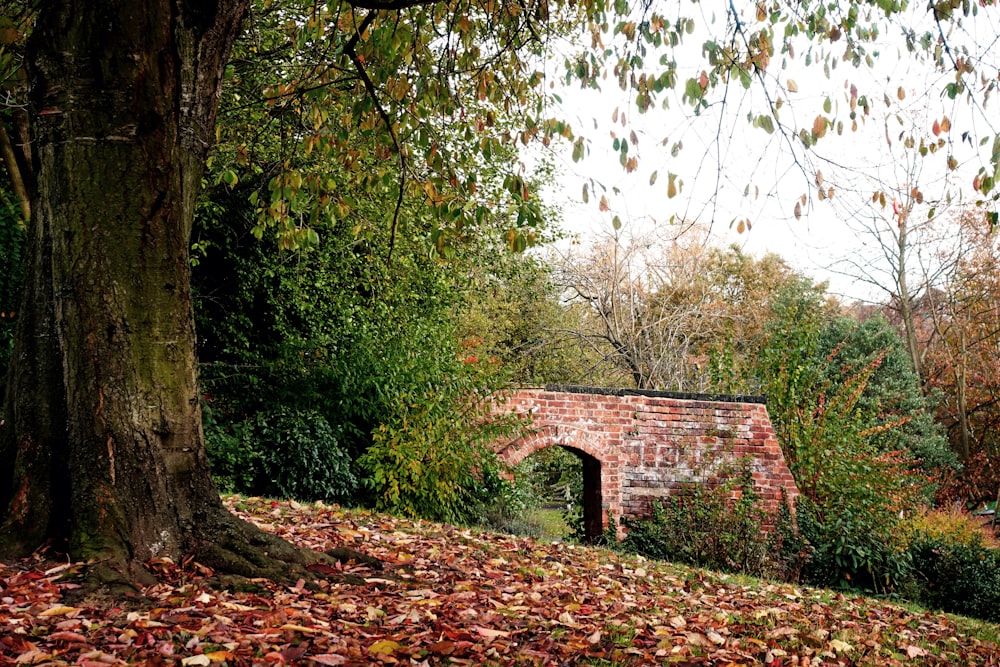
(571, 484)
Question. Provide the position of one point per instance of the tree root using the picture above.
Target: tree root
(236, 549)
(233, 554)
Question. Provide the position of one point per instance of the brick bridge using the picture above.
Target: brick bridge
(639, 445)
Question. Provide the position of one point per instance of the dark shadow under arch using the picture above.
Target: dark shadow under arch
(593, 513)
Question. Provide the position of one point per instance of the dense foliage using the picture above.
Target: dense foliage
(855, 492)
(344, 339)
(705, 526)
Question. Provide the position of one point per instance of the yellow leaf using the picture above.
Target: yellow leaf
(945, 124)
(300, 628)
(384, 647)
(792, 86)
(219, 656)
(58, 610)
(840, 646)
(900, 93)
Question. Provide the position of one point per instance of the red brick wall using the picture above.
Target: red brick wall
(649, 444)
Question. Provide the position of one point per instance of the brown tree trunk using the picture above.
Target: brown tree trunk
(103, 452)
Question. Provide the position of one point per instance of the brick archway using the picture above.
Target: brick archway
(601, 486)
(647, 444)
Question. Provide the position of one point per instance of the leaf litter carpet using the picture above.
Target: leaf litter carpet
(456, 596)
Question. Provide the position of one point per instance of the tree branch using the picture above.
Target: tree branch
(350, 50)
(7, 153)
(390, 5)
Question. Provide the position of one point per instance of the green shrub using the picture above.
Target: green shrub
(234, 460)
(702, 526)
(432, 461)
(852, 547)
(503, 505)
(285, 453)
(956, 576)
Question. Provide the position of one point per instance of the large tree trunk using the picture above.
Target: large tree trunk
(102, 453)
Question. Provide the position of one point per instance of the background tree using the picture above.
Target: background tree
(962, 365)
(848, 413)
(649, 312)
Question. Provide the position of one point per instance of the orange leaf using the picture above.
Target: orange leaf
(819, 126)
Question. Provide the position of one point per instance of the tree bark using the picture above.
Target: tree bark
(102, 453)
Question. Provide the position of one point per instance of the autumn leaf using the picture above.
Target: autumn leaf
(58, 610)
(490, 633)
(840, 646)
(819, 127)
(673, 185)
(384, 647)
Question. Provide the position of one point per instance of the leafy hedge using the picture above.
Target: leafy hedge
(707, 527)
(284, 453)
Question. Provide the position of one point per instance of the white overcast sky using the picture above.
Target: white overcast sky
(723, 154)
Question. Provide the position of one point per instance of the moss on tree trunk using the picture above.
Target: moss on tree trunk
(102, 452)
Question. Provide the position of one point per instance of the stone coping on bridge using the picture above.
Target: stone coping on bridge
(651, 393)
